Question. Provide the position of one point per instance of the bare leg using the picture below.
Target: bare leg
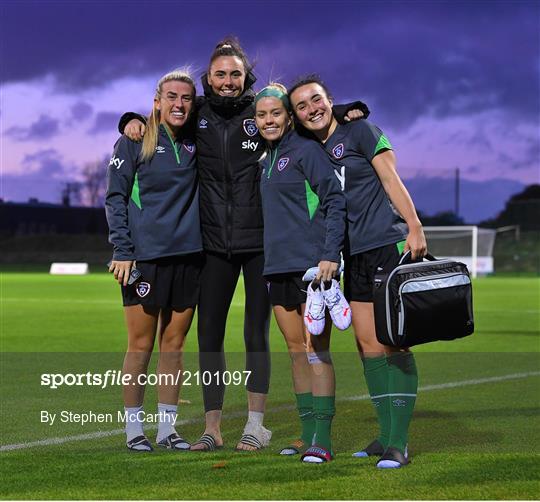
(174, 328)
(291, 325)
(323, 380)
(141, 326)
(363, 321)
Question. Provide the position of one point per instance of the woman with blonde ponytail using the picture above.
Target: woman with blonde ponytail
(152, 208)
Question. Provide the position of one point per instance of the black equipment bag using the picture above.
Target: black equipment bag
(423, 301)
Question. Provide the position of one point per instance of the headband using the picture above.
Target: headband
(273, 92)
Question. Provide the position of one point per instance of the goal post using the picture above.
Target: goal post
(466, 243)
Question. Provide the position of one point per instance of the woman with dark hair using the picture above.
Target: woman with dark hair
(152, 208)
(229, 147)
(377, 234)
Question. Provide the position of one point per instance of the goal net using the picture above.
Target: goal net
(468, 244)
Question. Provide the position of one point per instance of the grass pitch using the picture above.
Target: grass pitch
(475, 433)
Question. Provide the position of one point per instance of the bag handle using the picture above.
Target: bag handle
(406, 258)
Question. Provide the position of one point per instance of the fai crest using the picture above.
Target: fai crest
(250, 127)
(337, 151)
(190, 147)
(142, 289)
(282, 163)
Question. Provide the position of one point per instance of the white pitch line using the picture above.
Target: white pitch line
(115, 432)
(453, 385)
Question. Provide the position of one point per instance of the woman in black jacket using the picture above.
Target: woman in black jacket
(229, 148)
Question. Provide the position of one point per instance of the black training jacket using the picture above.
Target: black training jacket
(303, 206)
(152, 207)
(229, 148)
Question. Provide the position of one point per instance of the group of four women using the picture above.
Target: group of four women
(320, 187)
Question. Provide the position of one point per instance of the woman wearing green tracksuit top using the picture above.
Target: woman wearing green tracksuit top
(152, 208)
(304, 225)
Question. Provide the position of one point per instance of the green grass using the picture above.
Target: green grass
(478, 439)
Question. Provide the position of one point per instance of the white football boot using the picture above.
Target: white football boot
(340, 310)
(315, 307)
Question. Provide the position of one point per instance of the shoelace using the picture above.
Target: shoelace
(317, 306)
(333, 297)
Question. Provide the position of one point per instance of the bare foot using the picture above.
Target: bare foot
(245, 447)
(254, 437)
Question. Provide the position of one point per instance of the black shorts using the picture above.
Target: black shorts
(360, 270)
(170, 282)
(287, 290)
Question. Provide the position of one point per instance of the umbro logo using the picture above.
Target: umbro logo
(160, 149)
(399, 403)
(116, 162)
(203, 123)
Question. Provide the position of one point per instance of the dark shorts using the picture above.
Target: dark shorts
(287, 290)
(171, 282)
(360, 270)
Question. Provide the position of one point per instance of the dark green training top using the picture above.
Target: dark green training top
(303, 206)
(152, 207)
(372, 220)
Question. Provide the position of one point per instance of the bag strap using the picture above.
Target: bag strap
(406, 258)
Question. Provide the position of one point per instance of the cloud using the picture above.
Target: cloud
(424, 59)
(44, 128)
(407, 60)
(81, 111)
(105, 122)
(45, 162)
(44, 176)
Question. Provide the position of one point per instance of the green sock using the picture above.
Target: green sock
(376, 374)
(304, 403)
(402, 387)
(324, 409)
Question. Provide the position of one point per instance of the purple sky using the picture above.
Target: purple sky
(453, 84)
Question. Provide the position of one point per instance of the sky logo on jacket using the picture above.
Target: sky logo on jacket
(338, 150)
(282, 163)
(250, 128)
(189, 146)
(116, 162)
(250, 145)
